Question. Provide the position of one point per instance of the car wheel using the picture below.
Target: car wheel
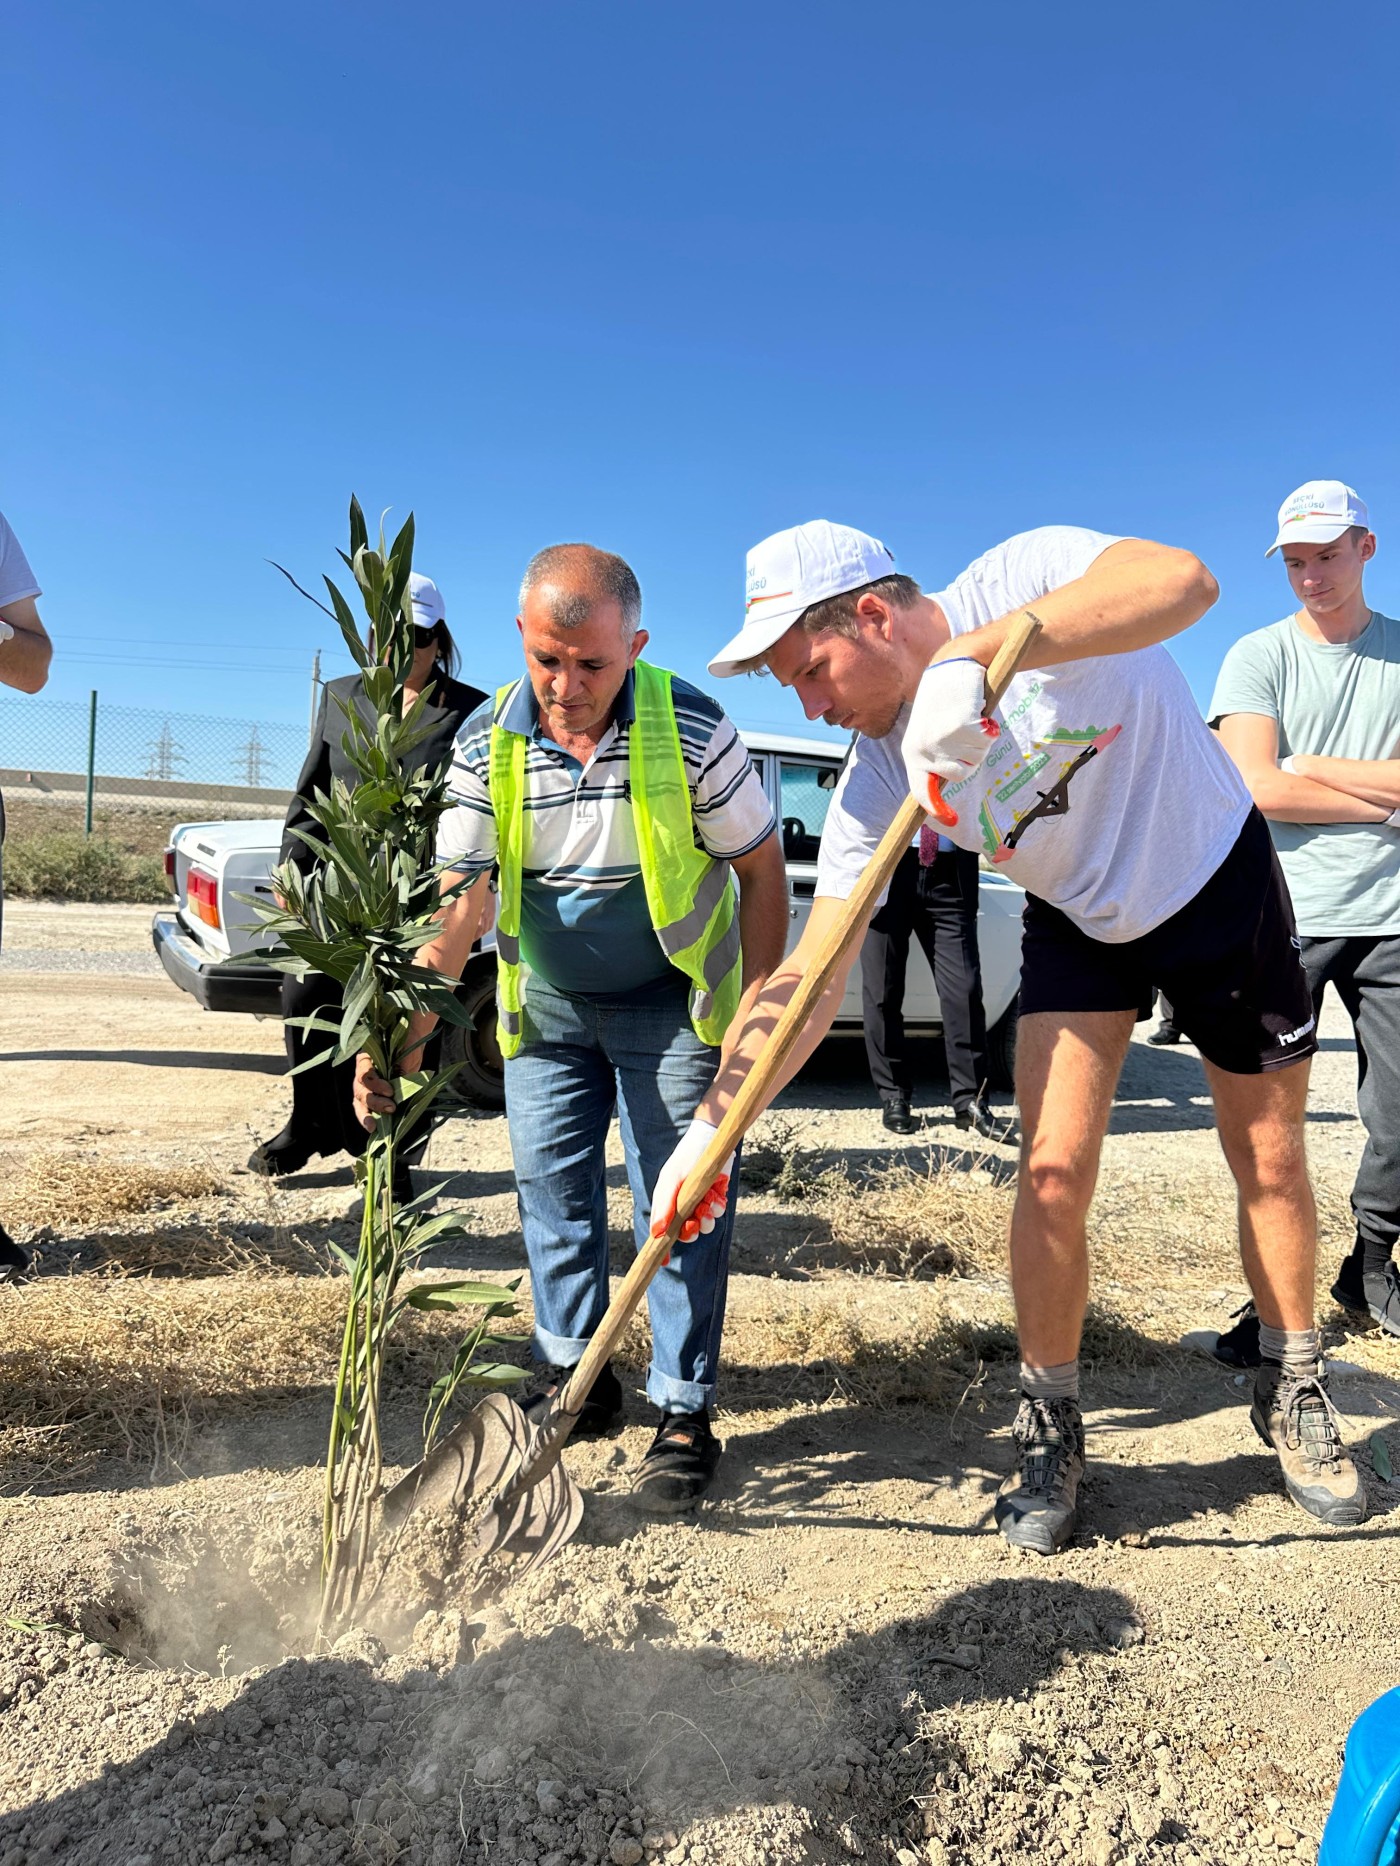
(1001, 1048)
(481, 1078)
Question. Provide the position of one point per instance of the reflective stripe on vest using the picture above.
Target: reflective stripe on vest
(690, 896)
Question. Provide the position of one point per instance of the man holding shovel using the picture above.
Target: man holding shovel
(1098, 786)
(612, 800)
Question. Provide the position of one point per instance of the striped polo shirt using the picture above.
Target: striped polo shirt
(584, 923)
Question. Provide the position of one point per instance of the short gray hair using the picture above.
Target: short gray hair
(590, 576)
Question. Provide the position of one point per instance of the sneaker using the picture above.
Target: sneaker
(1383, 1298)
(980, 1119)
(679, 1463)
(600, 1411)
(1294, 1414)
(1239, 1346)
(284, 1153)
(1035, 1507)
(897, 1117)
(15, 1260)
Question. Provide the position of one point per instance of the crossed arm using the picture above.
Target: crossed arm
(25, 657)
(1317, 790)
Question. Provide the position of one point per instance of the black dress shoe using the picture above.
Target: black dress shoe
(980, 1119)
(1163, 1035)
(896, 1116)
(284, 1153)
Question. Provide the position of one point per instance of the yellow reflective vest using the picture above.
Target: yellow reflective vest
(691, 897)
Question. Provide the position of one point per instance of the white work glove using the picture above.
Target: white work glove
(947, 736)
(6, 633)
(673, 1176)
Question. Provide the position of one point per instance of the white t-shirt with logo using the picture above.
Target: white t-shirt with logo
(1106, 793)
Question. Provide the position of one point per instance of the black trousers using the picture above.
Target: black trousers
(937, 905)
(323, 1109)
(1365, 973)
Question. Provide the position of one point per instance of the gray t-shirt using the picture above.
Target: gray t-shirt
(1331, 700)
(1154, 805)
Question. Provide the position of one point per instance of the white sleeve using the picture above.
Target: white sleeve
(866, 801)
(16, 578)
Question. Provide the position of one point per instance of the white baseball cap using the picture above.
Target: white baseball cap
(1317, 513)
(428, 607)
(792, 570)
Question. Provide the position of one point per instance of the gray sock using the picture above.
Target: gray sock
(1297, 1349)
(1060, 1382)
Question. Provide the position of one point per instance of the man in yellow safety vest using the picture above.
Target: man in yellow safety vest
(614, 803)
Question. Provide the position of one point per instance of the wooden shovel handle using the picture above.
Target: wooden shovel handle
(752, 1097)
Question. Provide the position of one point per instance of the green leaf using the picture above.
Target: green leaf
(359, 532)
(456, 1295)
(1380, 1458)
(342, 1256)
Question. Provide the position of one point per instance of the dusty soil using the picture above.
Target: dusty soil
(833, 1659)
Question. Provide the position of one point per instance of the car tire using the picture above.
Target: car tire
(1001, 1048)
(481, 1078)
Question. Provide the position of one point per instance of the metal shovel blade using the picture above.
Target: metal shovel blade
(469, 1474)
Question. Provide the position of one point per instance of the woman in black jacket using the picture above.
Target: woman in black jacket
(323, 1117)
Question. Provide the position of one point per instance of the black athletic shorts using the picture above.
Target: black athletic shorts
(1228, 961)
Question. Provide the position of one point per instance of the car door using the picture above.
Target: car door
(805, 787)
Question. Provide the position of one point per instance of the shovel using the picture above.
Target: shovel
(499, 1467)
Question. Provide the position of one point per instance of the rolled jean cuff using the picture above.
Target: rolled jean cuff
(672, 1395)
(557, 1350)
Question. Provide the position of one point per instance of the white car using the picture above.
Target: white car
(210, 864)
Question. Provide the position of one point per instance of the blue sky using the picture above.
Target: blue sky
(669, 279)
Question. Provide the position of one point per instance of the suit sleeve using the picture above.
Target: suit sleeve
(315, 775)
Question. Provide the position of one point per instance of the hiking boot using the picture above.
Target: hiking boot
(1239, 1346)
(1294, 1414)
(1035, 1506)
(15, 1260)
(897, 1116)
(601, 1410)
(1383, 1298)
(679, 1463)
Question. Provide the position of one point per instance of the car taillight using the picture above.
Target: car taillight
(202, 892)
(170, 872)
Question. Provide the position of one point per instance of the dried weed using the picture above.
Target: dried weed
(68, 1190)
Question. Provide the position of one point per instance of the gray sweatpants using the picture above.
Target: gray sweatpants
(1365, 973)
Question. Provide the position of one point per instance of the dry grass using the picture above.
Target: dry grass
(92, 1367)
(70, 1190)
(941, 1221)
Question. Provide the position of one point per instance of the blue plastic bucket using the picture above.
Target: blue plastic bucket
(1363, 1828)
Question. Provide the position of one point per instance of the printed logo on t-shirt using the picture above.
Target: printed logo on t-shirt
(1016, 797)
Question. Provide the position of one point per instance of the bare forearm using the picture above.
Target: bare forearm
(1284, 798)
(1373, 780)
(763, 925)
(25, 657)
(460, 919)
(751, 1029)
(1135, 595)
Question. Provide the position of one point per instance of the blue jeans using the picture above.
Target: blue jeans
(579, 1059)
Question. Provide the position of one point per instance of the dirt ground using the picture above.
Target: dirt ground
(834, 1658)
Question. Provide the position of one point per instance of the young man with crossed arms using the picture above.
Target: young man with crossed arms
(1101, 790)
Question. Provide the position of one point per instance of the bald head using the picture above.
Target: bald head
(575, 579)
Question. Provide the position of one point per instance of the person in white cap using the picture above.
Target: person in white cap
(1098, 786)
(1309, 709)
(323, 1121)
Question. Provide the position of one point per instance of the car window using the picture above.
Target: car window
(805, 803)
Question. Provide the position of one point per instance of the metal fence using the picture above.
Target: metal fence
(70, 749)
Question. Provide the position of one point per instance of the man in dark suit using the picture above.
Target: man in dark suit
(932, 897)
(323, 1116)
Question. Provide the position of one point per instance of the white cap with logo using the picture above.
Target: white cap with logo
(1317, 513)
(792, 570)
(426, 598)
